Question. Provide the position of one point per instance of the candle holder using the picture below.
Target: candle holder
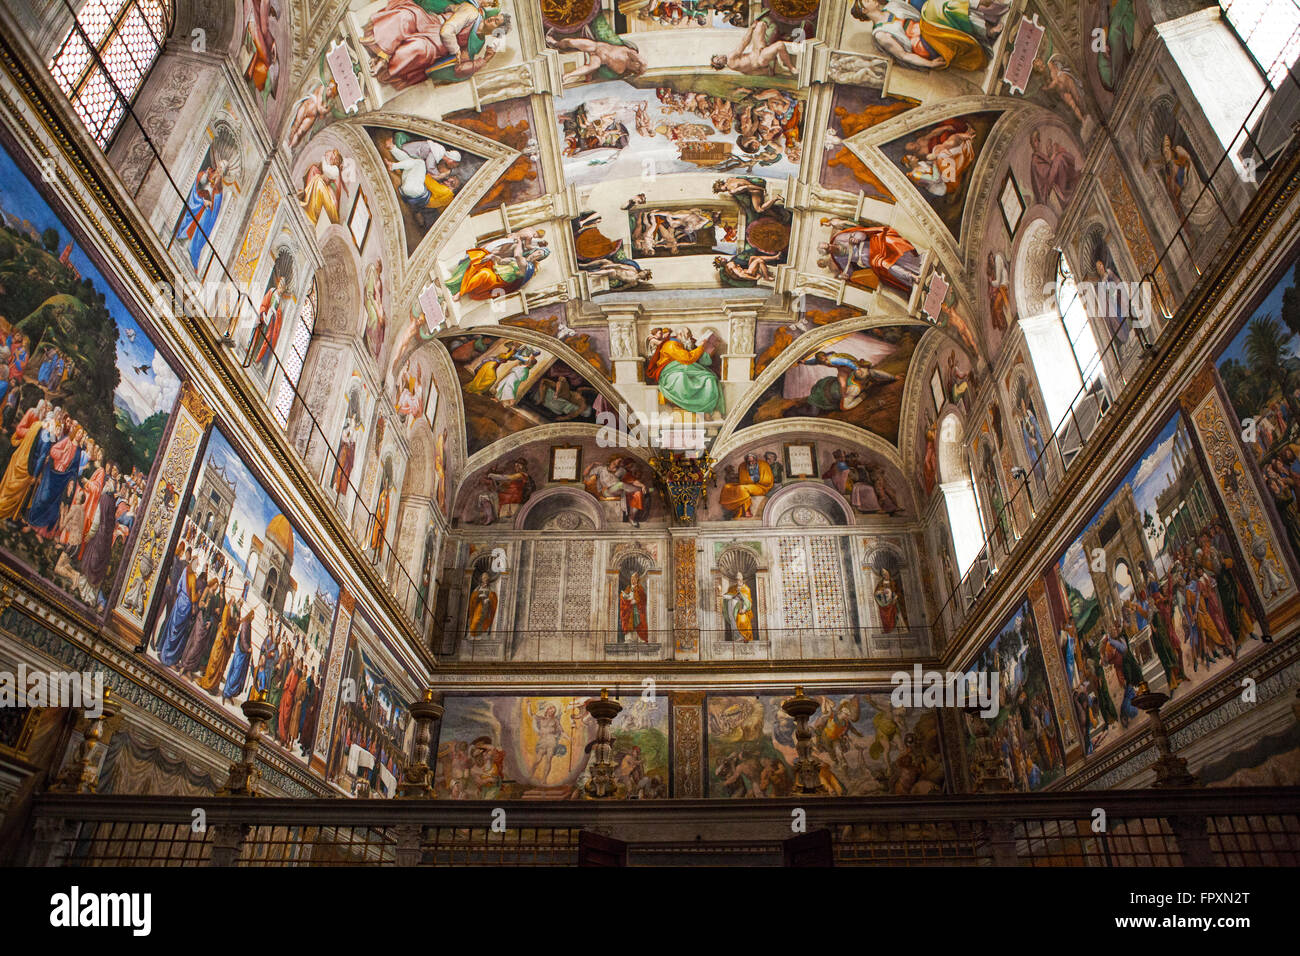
(417, 780)
(807, 772)
(1171, 769)
(601, 784)
(244, 775)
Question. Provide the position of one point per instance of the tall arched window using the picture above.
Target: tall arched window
(1063, 347)
(127, 36)
(959, 494)
(297, 355)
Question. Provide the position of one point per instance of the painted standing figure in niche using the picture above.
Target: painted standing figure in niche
(738, 608)
(440, 40)
(632, 610)
(270, 319)
(376, 320)
(383, 506)
(999, 286)
(482, 605)
(891, 603)
(207, 195)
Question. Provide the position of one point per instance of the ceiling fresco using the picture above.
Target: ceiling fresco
(779, 195)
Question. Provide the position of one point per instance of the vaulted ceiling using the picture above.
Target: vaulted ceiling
(556, 192)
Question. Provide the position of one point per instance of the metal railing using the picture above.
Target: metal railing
(1246, 826)
(580, 645)
(359, 515)
(1200, 240)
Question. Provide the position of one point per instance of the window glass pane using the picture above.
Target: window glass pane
(1271, 31)
(1078, 328)
(70, 62)
(128, 35)
(97, 16)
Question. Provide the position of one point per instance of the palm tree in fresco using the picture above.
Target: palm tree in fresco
(1269, 356)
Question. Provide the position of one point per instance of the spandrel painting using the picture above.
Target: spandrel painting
(939, 160)
(78, 435)
(246, 607)
(508, 386)
(862, 744)
(538, 748)
(855, 378)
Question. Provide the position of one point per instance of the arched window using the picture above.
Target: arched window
(293, 362)
(1062, 347)
(105, 57)
(959, 494)
(1270, 30)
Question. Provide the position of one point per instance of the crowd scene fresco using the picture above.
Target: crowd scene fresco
(1154, 591)
(862, 744)
(368, 747)
(78, 435)
(1024, 733)
(246, 609)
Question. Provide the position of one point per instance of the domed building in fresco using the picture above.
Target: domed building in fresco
(272, 579)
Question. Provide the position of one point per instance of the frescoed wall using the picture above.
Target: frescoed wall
(1260, 370)
(78, 435)
(1024, 734)
(370, 742)
(247, 608)
(538, 748)
(863, 745)
(1151, 591)
(856, 378)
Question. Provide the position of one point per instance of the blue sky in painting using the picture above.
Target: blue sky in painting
(254, 510)
(1272, 305)
(1150, 476)
(143, 393)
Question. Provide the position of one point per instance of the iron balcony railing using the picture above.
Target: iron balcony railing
(1246, 826)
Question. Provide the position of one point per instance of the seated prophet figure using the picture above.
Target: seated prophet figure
(870, 256)
(681, 369)
(753, 479)
(440, 40)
